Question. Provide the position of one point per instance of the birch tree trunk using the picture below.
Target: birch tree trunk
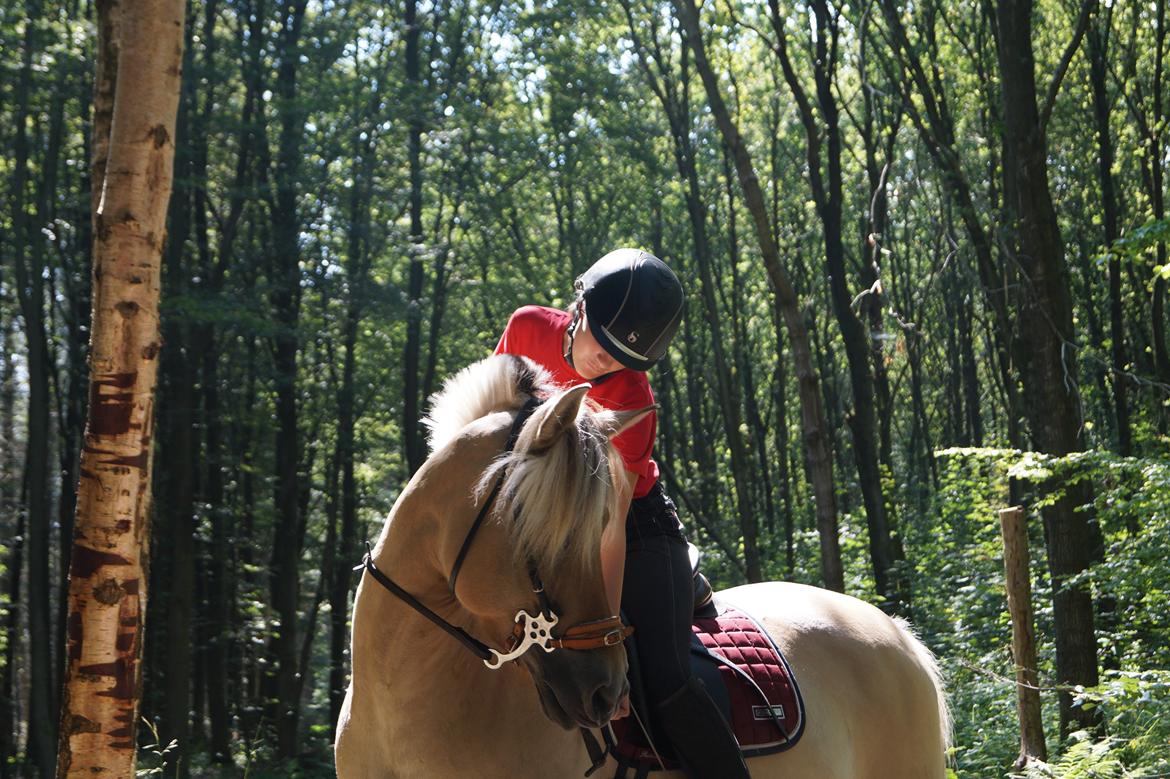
(139, 62)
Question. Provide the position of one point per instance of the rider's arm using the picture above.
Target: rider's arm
(613, 544)
(613, 561)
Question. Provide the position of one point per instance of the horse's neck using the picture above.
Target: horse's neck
(424, 692)
(429, 707)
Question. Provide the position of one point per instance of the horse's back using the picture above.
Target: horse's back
(873, 699)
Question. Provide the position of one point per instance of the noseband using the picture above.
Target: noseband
(530, 630)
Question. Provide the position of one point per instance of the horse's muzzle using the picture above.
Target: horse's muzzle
(579, 689)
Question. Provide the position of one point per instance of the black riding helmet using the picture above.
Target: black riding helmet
(634, 303)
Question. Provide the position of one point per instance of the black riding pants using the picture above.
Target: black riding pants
(658, 593)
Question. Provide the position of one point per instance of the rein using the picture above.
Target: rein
(530, 630)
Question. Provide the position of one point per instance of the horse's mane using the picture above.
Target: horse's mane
(502, 382)
(557, 500)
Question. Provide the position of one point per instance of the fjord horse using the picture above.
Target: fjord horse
(424, 704)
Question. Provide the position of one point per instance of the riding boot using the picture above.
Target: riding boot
(701, 738)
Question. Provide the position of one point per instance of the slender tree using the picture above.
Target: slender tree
(139, 63)
(1098, 40)
(29, 270)
(178, 451)
(673, 92)
(285, 285)
(412, 359)
(10, 517)
(1043, 347)
(821, 122)
(816, 430)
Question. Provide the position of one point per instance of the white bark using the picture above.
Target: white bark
(141, 43)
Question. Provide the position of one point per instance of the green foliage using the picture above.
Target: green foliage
(1132, 505)
(544, 145)
(154, 759)
(1139, 241)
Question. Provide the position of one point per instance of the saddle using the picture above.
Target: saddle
(744, 673)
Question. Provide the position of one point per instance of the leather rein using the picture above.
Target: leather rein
(530, 630)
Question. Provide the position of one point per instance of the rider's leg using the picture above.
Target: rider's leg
(701, 737)
(657, 596)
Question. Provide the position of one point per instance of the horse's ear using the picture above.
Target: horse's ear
(617, 422)
(557, 416)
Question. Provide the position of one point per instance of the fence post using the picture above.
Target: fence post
(1013, 525)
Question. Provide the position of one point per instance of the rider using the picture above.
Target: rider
(626, 309)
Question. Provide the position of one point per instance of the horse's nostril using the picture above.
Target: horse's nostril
(604, 701)
(601, 703)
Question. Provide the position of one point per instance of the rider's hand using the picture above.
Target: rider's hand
(623, 709)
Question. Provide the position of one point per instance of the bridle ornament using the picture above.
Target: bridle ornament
(529, 630)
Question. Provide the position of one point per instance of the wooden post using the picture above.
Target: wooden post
(1013, 524)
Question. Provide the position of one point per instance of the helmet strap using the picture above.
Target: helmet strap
(571, 332)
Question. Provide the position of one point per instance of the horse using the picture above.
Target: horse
(497, 537)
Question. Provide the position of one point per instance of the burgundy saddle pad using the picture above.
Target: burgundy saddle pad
(759, 695)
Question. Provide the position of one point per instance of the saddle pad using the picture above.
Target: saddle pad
(759, 691)
(767, 713)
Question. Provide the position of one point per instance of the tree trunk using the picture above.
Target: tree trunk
(696, 446)
(873, 239)
(1098, 50)
(219, 580)
(816, 432)
(1155, 149)
(248, 673)
(825, 179)
(780, 446)
(412, 359)
(67, 388)
(936, 129)
(30, 289)
(12, 526)
(744, 361)
(973, 418)
(223, 667)
(358, 263)
(284, 581)
(727, 387)
(107, 580)
(178, 448)
(1044, 353)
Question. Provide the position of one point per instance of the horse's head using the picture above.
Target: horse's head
(559, 493)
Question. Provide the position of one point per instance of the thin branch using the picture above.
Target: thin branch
(1087, 7)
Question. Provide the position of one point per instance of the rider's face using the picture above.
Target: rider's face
(589, 357)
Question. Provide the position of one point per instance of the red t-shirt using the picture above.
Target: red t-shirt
(538, 333)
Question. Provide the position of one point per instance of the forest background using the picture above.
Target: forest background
(928, 238)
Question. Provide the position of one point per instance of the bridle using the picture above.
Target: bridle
(530, 630)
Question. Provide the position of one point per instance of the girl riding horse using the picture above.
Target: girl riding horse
(627, 307)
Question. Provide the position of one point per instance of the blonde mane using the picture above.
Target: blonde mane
(555, 500)
(501, 382)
